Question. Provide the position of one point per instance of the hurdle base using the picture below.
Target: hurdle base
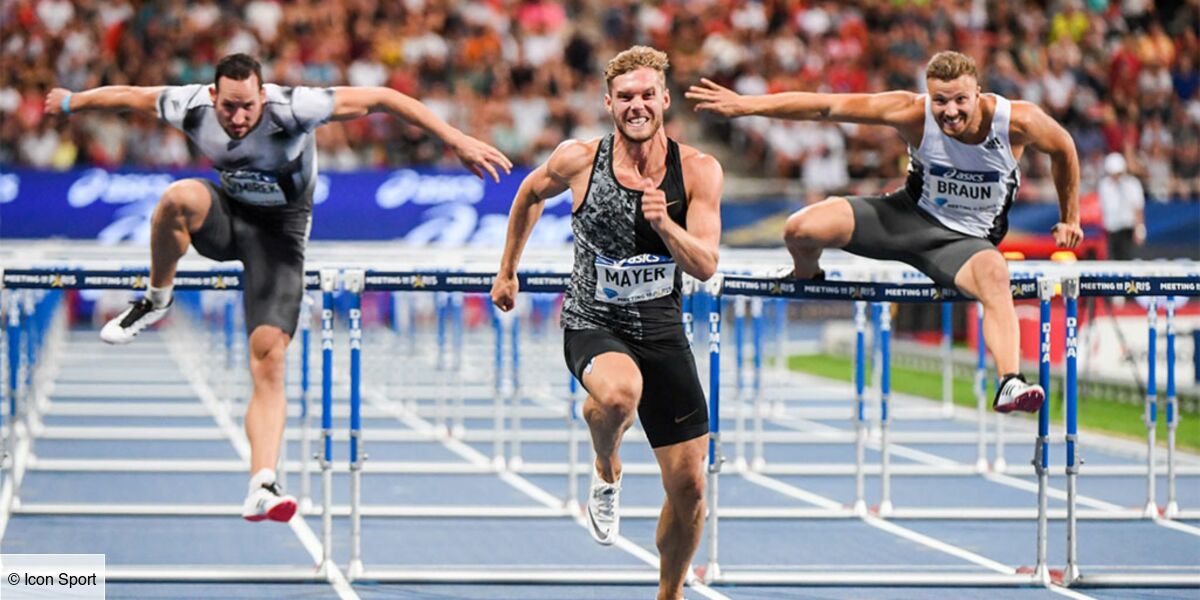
(508, 575)
(214, 574)
(1136, 580)
(1172, 510)
(879, 578)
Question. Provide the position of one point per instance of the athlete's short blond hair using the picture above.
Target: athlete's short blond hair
(949, 65)
(635, 58)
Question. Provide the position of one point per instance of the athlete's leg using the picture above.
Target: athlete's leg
(614, 386)
(826, 224)
(985, 277)
(682, 520)
(267, 413)
(180, 212)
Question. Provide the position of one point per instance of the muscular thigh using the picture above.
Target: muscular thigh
(272, 255)
(215, 237)
(673, 408)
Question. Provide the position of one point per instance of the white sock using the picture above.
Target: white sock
(261, 478)
(160, 297)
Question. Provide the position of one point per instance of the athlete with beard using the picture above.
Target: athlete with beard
(260, 139)
(645, 211)
(964, 148)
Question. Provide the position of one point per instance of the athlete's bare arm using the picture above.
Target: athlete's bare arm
(904, 111)
(109, 97)
(567, 169)
(694, 249)
(1033, 127)
(479, 157)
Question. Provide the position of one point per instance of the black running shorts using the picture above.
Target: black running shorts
(270, 244)
(672, 408)
(892, 227)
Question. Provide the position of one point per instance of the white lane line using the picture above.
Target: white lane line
(524, 485)
(237, 437)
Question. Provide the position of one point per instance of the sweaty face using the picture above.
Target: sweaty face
(954, 103)
(239, 105)
(637, 101)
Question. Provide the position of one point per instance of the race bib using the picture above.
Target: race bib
(253, 187)
(971, 191)
(635, 279)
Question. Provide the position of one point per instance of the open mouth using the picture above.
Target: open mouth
(953, 122)
(638, 121)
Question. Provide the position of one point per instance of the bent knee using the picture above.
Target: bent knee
(620, 397)
(186, 197)
(819, 225)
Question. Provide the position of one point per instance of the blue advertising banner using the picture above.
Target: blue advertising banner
(419, 206)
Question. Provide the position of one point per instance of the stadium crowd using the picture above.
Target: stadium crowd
(525, 74)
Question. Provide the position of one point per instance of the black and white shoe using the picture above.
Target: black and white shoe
(1015, 394)
(125, 326)
(268, 502)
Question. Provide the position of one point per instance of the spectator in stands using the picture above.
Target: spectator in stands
(1122, 206)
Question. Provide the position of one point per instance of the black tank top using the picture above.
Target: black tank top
(624, 279)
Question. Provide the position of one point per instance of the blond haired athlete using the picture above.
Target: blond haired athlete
(963, 174)
(645, 211)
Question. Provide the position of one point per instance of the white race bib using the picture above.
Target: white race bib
(635, 279)
(253, 187)
(966, 191)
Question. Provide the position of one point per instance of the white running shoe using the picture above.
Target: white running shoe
(603, 502)
(125, 326)
(268, 502)
(1015, 394)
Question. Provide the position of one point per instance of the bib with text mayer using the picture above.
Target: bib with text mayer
(635, 279)
(253, 187)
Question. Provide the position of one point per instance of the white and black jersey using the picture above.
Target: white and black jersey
(968, 188)
(275, 164)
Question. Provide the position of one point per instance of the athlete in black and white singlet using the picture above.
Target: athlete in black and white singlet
(275, 164)
(624, 279)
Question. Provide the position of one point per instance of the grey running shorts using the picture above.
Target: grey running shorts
(892, 227)
(270, 244)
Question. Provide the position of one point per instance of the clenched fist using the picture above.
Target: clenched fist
(504, 292)
(654, 204)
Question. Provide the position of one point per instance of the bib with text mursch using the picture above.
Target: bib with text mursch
(634, 279)
(253, 187)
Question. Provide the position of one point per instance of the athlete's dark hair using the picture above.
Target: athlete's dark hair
(238, 67)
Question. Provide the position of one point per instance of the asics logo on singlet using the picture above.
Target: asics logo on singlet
(645, 259)
(965, 176)
(946, 172)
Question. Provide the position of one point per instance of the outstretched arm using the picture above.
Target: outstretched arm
(548, 180)
(1034, 127)
(896, 109)
(110, 97)
(479, 157)
(695, 248)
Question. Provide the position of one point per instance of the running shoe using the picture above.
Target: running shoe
(125, 326)
(1015, 394)
(603, 502)
(268, 502)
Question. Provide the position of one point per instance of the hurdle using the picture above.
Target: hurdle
(476, 283)
(37, 332)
